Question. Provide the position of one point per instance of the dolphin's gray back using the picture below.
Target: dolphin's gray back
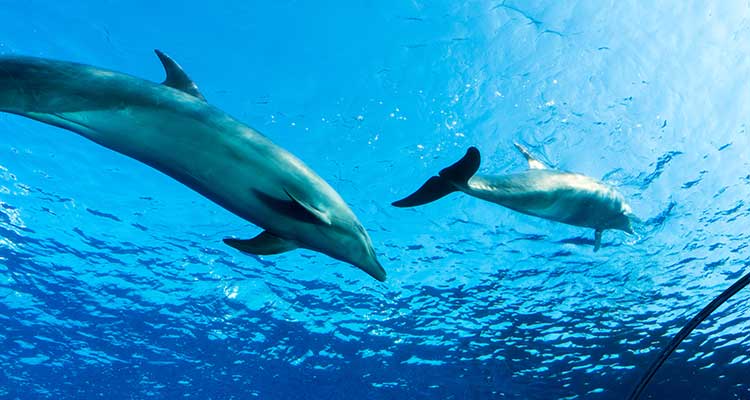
(51, 86)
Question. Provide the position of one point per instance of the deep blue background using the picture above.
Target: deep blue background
(114, 282)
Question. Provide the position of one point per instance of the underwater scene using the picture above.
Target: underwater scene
(374, 199)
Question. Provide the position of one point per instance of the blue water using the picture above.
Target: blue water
(114, 282)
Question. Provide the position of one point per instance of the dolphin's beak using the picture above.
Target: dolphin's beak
(374, 269)
(631, 218)
(629, 228)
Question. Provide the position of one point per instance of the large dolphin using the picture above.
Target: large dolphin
(571, 198)
(172, 128)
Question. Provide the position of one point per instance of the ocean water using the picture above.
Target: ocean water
(114, 281)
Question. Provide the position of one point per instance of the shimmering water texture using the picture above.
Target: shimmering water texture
(114, 281)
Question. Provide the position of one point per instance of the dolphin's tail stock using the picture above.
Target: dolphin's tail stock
(448, 181)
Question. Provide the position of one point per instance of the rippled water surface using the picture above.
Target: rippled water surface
(114, 281)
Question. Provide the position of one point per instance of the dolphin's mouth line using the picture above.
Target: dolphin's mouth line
(72, 122)
(61, 121)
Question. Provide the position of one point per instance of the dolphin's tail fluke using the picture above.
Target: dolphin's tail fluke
(448, 181)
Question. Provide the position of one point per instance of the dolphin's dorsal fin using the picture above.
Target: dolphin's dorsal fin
(533, 162)
(319, 215)
(176, 77)
(264, 244)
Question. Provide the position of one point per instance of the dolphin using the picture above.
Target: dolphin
(566, 197)
(171, 127)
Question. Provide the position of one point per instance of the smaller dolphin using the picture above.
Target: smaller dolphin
(566, 197)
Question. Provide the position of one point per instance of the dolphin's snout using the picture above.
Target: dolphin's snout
(374, 269)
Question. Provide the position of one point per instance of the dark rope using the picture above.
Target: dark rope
(684, 332)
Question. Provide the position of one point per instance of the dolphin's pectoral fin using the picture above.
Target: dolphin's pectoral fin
(264, 244)
(294, 208)
(176, 76)
(533, 162)
(319, 215)
(597, 239)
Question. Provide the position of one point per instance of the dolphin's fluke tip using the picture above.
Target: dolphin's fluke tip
(435, 188)
(449, 180)
(473, 153)
(399, 203)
